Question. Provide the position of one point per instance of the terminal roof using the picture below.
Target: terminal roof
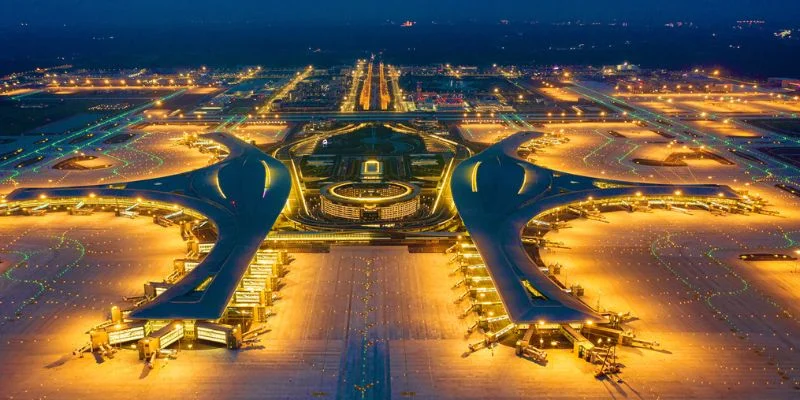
(497, 193)
(241, 195)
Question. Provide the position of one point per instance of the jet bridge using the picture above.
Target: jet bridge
(38, 210)
(129, 212)
(150, 346)
(167, 220)
(81, 209)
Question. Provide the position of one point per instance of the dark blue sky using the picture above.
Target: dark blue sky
(162, 12)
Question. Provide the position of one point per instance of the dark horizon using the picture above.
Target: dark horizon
(739, 50)
(182, 33)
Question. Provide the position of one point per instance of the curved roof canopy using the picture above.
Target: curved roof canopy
(497, 193)
(242, 195)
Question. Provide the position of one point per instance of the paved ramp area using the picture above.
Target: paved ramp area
(358, 322)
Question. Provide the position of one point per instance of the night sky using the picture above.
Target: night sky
(165, 12)
(168, 33)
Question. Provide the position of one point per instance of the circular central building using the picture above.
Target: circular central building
(370, 201)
